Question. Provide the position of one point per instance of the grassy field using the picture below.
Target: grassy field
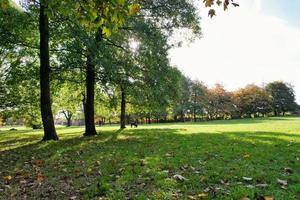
(257, 158)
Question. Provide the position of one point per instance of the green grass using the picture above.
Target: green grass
(141, 163)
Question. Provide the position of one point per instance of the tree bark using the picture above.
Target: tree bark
(68, 116)
(182, 116)
(69, 123)
(45, 97)
(123, 109)
(89, 110)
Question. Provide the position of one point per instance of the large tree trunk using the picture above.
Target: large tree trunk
(46, 111)
(123, 109)
(89, 110)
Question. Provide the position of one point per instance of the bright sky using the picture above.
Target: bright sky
(257, 42)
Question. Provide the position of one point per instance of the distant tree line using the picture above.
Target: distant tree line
(197, 101)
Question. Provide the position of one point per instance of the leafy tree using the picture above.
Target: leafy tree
(184, 104)
(20, 91)
(219, 104)
(198, 98)
(67, 100)
(24, 23)
(283, 97)
(252, 100)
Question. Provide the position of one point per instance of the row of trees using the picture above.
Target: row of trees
(178, 99)
(197, 100)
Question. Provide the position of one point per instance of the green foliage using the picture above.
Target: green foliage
(109, 15)
(283, 97)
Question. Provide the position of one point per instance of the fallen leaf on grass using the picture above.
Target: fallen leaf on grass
(282, 182)
(263, 185)
(247, 178)
(169, 154)
(38, 162)
(246, 156)
(202, 195)
(73, 198)
(179, 177)
(288, 170)
(7, 178)
(184, 167)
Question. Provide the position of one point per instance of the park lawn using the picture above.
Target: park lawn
(145, 162)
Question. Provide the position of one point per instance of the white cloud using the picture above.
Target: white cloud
(241, 46)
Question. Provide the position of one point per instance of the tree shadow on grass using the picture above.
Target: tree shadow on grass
(283, 118)
(142, 162)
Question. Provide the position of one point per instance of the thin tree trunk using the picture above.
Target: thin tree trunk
(123, 109)
(68, 115)
(182, 116)
(89, 110)
(45, 98)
